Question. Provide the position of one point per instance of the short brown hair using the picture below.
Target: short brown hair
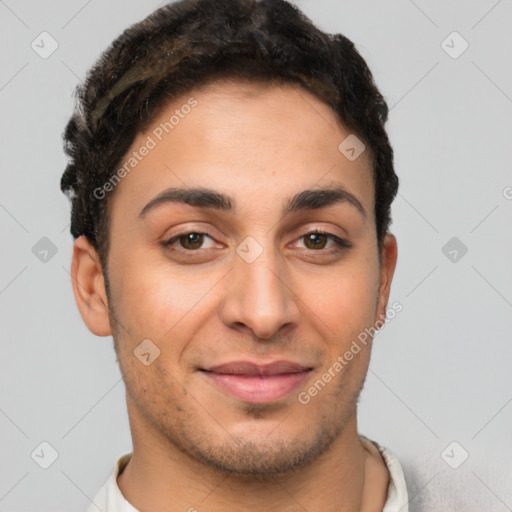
(193, 42)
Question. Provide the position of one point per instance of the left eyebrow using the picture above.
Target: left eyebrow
(201, 197)
(321, 198)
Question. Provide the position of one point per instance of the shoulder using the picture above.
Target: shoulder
(109, 498)
(397, 495)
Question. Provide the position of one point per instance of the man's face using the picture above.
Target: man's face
(257, 288)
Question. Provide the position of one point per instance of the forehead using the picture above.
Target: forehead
(241, 136)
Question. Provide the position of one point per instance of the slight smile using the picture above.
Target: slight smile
(257, 384)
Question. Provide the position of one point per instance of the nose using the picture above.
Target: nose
(259, 296)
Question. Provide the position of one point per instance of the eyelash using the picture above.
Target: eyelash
(340, 242)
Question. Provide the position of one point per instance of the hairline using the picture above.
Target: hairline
(225, 83)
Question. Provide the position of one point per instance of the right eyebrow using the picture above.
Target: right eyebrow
(200, 197)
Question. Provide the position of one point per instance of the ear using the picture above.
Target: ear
(89, 287)
(387, 268)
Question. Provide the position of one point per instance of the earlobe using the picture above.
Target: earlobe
(89, 287)
(388, 264)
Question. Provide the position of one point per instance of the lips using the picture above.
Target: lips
(251, 369)
(256, 383)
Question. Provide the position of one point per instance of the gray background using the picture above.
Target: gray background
(440, 371)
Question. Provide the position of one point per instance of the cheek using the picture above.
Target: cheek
(155, 299)
(344, 302)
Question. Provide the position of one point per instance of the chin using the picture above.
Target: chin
(265, 451)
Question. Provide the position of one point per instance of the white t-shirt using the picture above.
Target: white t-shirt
(110, 498)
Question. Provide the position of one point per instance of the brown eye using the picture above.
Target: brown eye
(317, 240)
(194, 239)
(191, 241)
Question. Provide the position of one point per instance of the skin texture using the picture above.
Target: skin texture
(193, 445)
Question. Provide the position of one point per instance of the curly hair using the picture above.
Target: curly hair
(189, 43)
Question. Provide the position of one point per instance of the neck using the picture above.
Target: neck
(161, 477)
